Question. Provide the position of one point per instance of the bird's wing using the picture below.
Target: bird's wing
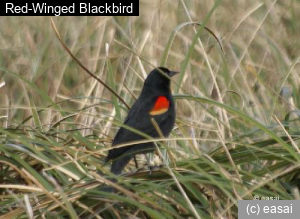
(139, 119)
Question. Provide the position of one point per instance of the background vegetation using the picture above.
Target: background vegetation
(237, 128)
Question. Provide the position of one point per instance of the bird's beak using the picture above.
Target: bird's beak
(172, 73)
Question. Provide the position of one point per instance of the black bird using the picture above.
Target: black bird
(156, 101)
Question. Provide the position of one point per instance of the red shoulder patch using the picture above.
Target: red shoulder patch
(161, 106)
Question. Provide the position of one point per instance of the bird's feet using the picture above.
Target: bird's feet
(151, 168)
(154, 168)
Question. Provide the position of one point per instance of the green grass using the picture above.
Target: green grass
(237, 129)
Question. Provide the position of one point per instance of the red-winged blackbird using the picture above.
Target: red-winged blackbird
(156, 101)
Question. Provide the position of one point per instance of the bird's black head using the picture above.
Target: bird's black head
(159, 78)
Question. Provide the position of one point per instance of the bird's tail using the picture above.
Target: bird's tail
(117, 167)
(109, 189)
(120, 163)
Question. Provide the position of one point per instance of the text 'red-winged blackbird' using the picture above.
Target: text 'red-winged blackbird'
(156, 101)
